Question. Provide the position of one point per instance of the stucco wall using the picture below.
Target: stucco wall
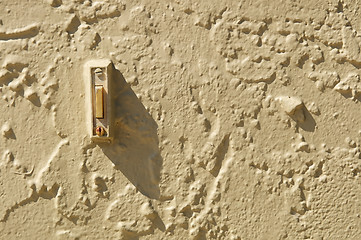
(232, 120)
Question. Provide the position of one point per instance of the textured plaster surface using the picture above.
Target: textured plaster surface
(232, 120)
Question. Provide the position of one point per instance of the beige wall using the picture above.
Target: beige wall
(232, 120)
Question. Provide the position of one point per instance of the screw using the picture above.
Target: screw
(99, 131)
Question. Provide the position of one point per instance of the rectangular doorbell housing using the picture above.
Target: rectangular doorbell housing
(98, 76)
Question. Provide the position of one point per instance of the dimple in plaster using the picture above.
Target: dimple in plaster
(97, 76)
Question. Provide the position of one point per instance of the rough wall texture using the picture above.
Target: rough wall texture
(233, 120)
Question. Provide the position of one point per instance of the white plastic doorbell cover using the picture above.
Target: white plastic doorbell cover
(98, 76)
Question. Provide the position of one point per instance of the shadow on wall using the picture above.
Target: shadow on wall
(134, 150)
(309, 123)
